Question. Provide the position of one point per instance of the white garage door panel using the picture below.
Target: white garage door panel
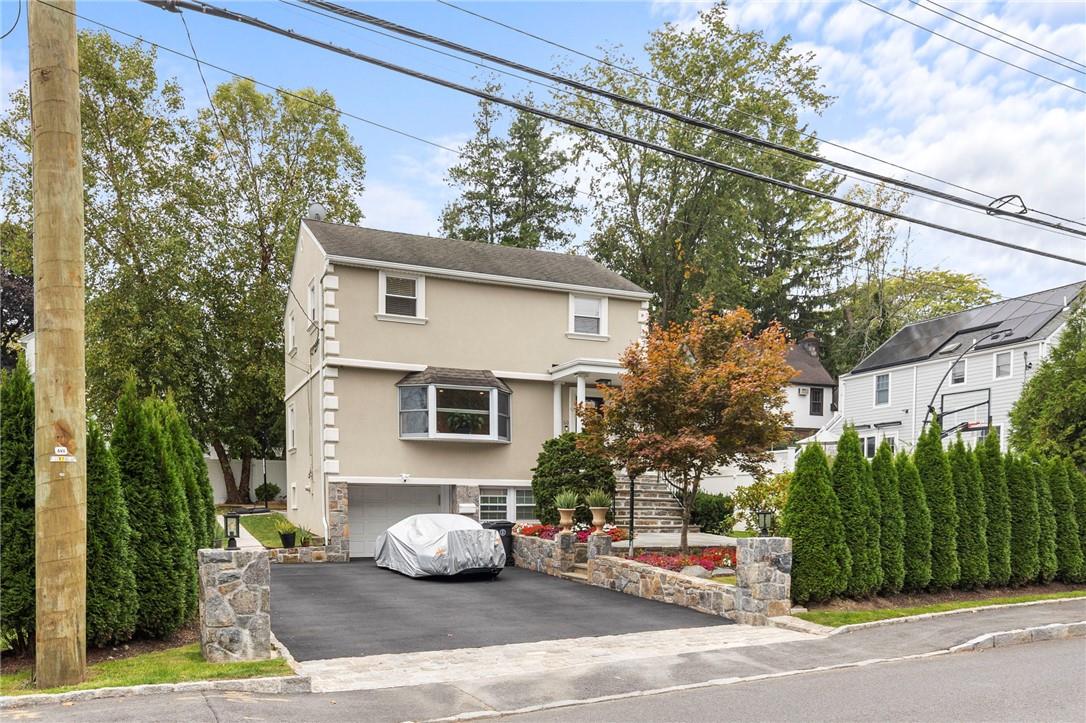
(372, 509)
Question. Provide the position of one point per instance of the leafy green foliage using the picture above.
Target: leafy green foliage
(766, 493)
(997, 509)
(917, 538)
(1050, 414)
(567, 499)
(17, 505)
(598, 497)
(972, 518)
(1068, 546)
(1025, 519)
(860, 513)
(112, 601)
(561, 464)
(178, 437)
(892, 521)
(713, 513)
(267, 491)
(821, 562)
(203, 484)
(1076, 480)
(1046, 540)
(935, 475)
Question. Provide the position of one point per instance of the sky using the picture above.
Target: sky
(901, 94)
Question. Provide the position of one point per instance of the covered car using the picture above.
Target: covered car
(440, 544)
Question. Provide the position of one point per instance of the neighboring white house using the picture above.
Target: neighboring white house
(970, 367)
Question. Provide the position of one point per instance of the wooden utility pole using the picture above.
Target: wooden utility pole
(60, 459)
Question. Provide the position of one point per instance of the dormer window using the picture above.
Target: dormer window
(454, 404)
(401, 297)
(587, 317)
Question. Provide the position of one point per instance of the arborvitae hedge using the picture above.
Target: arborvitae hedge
(1046, 541)
(17, 505)
(917, 539)
(179, 439)
(196, 454)
(934, 471)
(1077, 481)
(162, 593)
(561, 465)
(997, 508)
(854, 489)
(972, 519)
(1068, 548)
(112, 602)
(1025, 520)
(812, 518)
(171, 472)
(892, 527)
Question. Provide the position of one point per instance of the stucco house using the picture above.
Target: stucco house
(970, 366)
(424, 374)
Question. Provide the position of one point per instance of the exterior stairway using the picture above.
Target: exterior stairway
(655, 507)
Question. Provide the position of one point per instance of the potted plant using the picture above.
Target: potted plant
(566, 501)
(599, 502)
(286, 530)
(305, 537)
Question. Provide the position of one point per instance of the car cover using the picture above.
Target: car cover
(438, 544)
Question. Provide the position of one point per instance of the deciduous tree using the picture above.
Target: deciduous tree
(931, 464)
(917, 524)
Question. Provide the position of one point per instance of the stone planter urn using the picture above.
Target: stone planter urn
(599, 517)
(565, 518)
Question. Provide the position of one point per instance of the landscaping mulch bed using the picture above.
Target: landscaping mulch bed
(909, 600)
(13, 662)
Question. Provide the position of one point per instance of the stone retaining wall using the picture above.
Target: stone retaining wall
(235, 605)
(655, 583)
(551, 557)
(294, 555)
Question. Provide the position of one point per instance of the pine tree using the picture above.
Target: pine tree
(860, 514)
(112, 602)
(162, 593)
(1025, 520)
(972, 518)
(934, 472)
(997, 508)
(17, 505)
(171, 464)
(1077, 481)
(812, 518)
(1046, 515)
(1068, 547)
(917, 525)
(892, 525)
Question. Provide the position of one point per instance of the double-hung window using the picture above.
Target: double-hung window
(587, 316)
(816, 401)
(870, 445)
(401, 297)
(436, 411)
(291, 427)
(882, 390)
(414, 411)
(1002, 365)
(311, 305)
(957, 372)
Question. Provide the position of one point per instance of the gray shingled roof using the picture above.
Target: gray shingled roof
(1012, 321)
(470, 256)
(455, 377)
(809, 369)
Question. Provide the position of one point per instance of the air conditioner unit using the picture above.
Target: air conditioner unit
(803, 391)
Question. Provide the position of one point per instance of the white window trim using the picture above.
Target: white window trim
(291, 429)
(431, 417)
(292, 335)
(311, 305)
(965, 372)
(995, 365)
(420, 299)
(875, 389)
(896, 442)
(510, 502)
(863, 444)
(571, 334)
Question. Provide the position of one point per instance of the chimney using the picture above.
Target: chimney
(810, 343)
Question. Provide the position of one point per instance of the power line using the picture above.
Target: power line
(634, 72)
(1003, 32)
(673, 115)
(970, 47)
(223, 13)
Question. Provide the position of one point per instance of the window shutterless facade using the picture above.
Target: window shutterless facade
(587, 316)
(816, 401)
(882, 390)
(401, 297)
(1002, 365)
(957, 372)
(515, 504)
(437, 411)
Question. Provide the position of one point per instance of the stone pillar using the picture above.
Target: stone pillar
(763, 578)
(235, 605)
(338, 544)
(599, 543)
(565, 554)
(467, 495)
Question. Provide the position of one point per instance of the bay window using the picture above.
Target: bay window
(439, 411)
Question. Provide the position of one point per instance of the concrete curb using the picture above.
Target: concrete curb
(1053, 631)
(926, 616)
(279, 684)
(799, 625)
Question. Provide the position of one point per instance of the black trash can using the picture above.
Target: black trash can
(505, 530)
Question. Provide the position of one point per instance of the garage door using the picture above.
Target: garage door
(372, 509)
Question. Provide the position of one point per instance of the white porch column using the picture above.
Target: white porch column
(557, 409)
(580, 398)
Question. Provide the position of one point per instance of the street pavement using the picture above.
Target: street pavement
(505, 689)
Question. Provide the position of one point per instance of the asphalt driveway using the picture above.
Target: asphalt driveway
(354, 609)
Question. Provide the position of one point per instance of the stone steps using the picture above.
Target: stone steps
(655, 506)
(579, 572)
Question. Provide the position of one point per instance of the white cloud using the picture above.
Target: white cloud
(396, 207)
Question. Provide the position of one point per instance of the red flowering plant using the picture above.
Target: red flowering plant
(617, 534)
(544, 532)
(548, 532)
(710, 558)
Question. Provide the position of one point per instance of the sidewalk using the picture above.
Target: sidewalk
(245, 538)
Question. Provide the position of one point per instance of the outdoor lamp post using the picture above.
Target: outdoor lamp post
(232, 522)
(765, 519)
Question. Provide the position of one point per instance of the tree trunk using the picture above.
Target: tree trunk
(686, 497)
(246, 475)
(232, 496)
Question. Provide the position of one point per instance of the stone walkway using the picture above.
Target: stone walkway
(444, 666)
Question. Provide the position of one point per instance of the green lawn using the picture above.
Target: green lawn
(726, 579)
(837, 618)
(742, 533)
(176, 665)
(262, 527)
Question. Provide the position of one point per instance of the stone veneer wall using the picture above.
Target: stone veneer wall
(763, 574)
(338, 545)
(468, 494)
(552, 557)
(235, 605)
(288, 555)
